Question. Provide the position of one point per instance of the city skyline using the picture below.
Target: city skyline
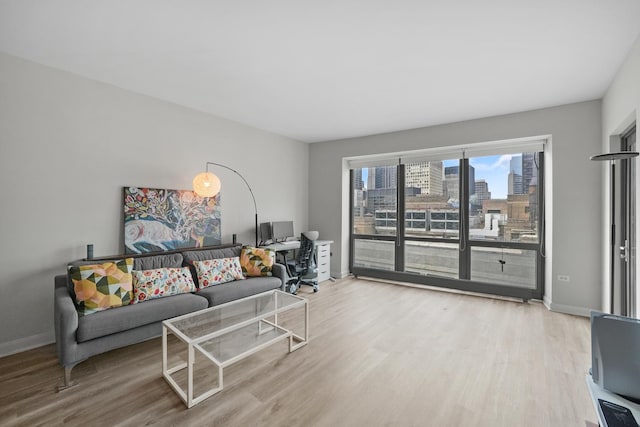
(493, 169)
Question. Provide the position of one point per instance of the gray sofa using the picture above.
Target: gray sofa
(80, 337)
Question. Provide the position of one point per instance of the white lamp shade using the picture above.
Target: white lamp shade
(206, 184)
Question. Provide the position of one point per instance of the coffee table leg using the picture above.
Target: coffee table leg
(164, 350)
(305, 339)
(220, 383)
(194, 400)
(275, 302)
(192, 360)
(306, 321)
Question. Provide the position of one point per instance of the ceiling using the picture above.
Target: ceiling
(330, 69)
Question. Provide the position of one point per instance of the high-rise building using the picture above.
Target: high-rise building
(371, 178)
(514, 184)
(529, 171)
(386, 177)
(358, 198)
(451, 174)
(482, 190)
(452, 186)
(386, 198)
(523, 172)
(515, 165)
(427, 176)
(472, 180)
(515, 176)
(358, 184)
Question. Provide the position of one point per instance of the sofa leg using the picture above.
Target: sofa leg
(67, 379)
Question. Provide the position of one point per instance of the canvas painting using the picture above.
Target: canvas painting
(162, 220)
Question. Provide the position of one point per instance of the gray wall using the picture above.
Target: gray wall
(574, 192)
(67, 147)
(620, 109)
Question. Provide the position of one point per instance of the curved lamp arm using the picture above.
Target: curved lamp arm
(255, 206)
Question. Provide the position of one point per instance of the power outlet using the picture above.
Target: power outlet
(563, 278)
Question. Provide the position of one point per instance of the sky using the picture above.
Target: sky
(493, 169)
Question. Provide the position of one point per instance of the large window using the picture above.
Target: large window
(374, 216)
(467, 222)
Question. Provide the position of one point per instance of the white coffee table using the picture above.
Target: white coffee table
(229, 332)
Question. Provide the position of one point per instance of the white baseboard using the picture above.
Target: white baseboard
(568, 309)
(24, 344)
(340, 275)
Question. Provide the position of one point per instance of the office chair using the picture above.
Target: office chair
(303, 270)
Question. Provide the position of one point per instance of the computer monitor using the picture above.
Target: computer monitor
(265, 232)
(281, 230)
(615, 354)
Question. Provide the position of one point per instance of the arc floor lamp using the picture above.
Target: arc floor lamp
(207, 184)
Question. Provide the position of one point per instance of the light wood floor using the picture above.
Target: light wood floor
(380, 355)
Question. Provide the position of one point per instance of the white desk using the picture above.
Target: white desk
(323, 255)
(598, 392)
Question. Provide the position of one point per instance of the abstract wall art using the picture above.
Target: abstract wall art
(161, 220)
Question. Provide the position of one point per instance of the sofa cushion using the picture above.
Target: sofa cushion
(161, 282)
(132, 316)
(257, 261)
(226, 292)
(206, 254)
(216, 271)
(158, 261)
(203, 255)
(98, 287)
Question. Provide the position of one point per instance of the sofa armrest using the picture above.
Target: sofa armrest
(280, 271)
(66, 323)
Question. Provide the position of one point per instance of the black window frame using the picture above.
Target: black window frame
(463, 282)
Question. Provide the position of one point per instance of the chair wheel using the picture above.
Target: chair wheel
(293, 289)
(315, 289)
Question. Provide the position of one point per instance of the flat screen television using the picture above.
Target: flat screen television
(615, 354)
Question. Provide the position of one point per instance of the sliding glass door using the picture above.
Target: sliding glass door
(432, 220)
(473, 223)
(504, 222)
(374, 218)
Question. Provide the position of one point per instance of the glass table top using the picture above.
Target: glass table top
(220, 319)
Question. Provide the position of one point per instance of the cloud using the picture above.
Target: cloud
(501, 163)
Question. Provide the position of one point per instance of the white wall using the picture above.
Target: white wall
(69, 145)
(620, 108)
(576, 190)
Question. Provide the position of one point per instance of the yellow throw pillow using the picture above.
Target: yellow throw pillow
(257, 261)
(98, 287)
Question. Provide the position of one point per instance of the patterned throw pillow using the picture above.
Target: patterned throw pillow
(257, 261)
(216, 271)
(161, 282)
(101, 286)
